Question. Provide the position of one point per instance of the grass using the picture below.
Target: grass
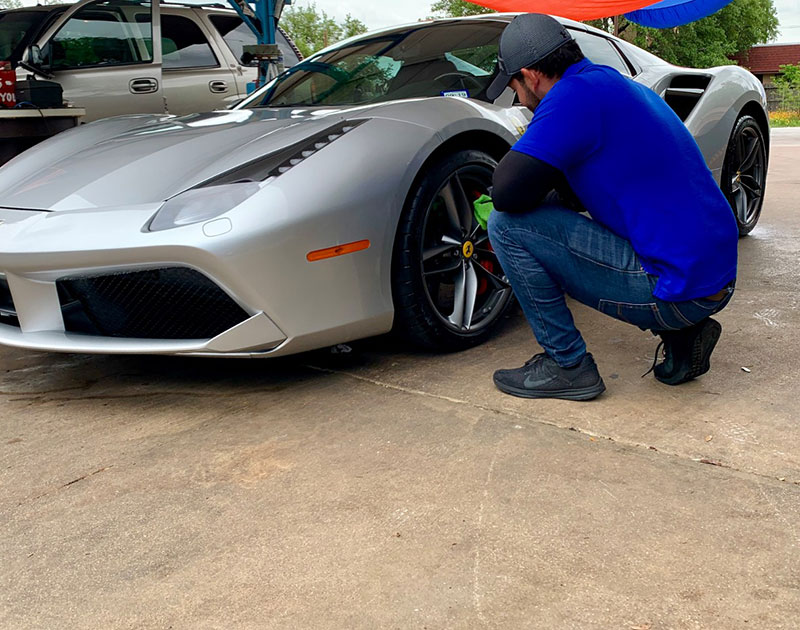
(784, 119)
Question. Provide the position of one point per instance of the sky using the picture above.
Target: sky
(379, 13)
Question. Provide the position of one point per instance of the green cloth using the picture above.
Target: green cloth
(483, 207)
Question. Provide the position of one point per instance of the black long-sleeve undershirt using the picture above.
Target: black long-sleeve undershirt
(521, 182)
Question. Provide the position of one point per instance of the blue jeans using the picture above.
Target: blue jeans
(552, 251)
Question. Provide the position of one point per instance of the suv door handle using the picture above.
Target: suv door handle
(143, 86)
(218, 87)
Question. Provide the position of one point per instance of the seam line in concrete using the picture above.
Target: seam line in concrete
(519, 416)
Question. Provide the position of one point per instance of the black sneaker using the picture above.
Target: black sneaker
(541, 377)
(687, 352)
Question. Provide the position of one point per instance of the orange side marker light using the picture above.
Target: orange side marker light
(338, 250)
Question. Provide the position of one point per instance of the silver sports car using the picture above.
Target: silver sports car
(333, 204)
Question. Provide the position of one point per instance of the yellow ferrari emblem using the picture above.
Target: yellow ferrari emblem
(468, 249)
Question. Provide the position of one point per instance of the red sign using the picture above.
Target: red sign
(8, 81)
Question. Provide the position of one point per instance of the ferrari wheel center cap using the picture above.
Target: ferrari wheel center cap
(467, 249)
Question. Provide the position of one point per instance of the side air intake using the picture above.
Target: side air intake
(685, 91)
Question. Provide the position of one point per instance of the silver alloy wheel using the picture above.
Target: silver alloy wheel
(748, 174)
(464, 282)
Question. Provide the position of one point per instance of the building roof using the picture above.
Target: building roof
(768, 58)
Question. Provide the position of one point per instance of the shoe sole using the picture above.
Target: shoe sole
(584, 393)
(701, 354)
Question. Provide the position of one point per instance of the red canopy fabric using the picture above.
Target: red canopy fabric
(573, 9)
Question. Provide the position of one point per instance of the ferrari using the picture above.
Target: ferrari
(332, 204)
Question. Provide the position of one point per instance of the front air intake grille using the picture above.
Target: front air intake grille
(8, 313)
(169, 303)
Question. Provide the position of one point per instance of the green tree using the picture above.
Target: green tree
(10, 4)
(790, 76)
(312, 29)
(710, 41)
(352, 27)
(457, 8)
(788, 86)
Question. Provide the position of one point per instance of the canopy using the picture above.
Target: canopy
(669, 13)
(573, 9)
(664, 14)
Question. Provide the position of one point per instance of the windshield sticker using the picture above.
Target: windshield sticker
(461, 93)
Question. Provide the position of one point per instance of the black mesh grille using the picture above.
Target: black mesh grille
(8, 313)
(170, 303)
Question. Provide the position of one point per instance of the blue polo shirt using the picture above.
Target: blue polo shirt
(639, 172)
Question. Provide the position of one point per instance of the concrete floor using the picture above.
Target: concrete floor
(384, 489)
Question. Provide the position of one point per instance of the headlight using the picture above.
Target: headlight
(226, 191)
(201, 204)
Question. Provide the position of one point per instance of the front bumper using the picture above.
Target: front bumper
(166, 302)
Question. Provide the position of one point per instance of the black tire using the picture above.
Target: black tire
(443, 259)
(744, 173)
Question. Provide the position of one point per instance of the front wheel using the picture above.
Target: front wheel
(449, 289)
(744, 173)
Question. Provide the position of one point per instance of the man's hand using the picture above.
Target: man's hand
(483, 207)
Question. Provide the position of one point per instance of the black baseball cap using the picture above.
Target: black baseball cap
(528, 39)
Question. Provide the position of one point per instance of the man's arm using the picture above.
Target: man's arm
(521, 182)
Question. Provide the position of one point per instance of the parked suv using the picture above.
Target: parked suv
(102, 53)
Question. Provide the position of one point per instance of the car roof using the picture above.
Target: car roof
(483, 17)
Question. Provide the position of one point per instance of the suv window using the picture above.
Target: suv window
(183, 44)
(237, 35)
(16, 31)
(106, 33)
(600, 50)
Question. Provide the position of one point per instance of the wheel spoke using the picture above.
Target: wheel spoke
(437, 250)
(480, 239)
(750, 157)
(457, 316)
(740, 199)
(751, 184)
(446, 269)
(754, 192)
(459, 211)
(740, 148)
(471, 294)
(499, 282)
(467, 212)
(466, 292)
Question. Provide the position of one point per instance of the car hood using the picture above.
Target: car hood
(144, 159)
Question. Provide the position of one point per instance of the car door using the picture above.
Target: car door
(196, 76)
(236, 35)
(102, 54)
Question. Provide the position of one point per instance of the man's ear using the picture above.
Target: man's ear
(532, 77)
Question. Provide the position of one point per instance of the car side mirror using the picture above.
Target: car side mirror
(33, 61)
(35, 56)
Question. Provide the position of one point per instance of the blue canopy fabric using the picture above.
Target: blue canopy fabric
(670, 13)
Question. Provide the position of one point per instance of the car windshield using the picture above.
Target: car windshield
(453, 59)
(16, 29)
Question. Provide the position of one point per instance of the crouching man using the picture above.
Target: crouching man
(660, 248)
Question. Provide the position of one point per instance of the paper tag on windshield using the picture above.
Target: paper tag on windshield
(461, 93)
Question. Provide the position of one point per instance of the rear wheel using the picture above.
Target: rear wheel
(449, 288)
(744, 173)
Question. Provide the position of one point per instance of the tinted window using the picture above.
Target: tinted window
(237, 35)
(103, 34)
(16, 31)
(183, 44)
(600, 50)
(432, 60)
